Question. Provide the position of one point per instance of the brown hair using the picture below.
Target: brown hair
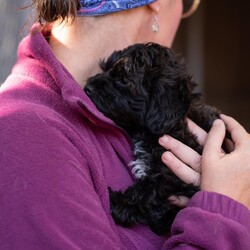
(52, 10)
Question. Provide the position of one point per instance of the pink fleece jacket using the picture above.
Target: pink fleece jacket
(59, 155)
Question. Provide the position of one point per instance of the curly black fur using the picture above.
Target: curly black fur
(146, 90)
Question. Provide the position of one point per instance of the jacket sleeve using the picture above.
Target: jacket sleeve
(211, 221)
(47, 198)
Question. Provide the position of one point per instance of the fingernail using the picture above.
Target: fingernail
(167, 156)
(163, 140)
(172, 198)
(217, 122)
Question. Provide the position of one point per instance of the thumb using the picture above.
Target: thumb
(214, 140)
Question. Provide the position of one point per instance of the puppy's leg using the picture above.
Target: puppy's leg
(147, 202)
(124, 207)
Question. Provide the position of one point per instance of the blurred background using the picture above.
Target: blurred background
(14, 25)
(215, 43)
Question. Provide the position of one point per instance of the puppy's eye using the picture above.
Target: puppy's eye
(122, 83)
(117, 73)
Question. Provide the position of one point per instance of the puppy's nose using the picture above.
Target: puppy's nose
(89, 89)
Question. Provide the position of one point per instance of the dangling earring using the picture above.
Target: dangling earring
(155, 26)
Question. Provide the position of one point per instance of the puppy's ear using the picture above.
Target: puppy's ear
(168, 105)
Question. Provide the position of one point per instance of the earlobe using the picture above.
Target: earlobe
(155, 120)
(155, 6)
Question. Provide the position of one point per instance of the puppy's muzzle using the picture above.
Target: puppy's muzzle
(89, 89)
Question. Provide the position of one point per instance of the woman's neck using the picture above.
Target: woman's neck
(80, 45)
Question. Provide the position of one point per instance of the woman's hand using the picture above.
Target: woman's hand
(228, 174)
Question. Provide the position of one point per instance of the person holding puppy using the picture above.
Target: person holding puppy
(59, 154)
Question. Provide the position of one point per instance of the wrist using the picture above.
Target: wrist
(233, 193)
(221, 204)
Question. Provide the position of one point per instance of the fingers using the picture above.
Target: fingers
(214, 140)
(238, 133)
(179, 201)
(198, 131)
(182, 152)
(180, 169)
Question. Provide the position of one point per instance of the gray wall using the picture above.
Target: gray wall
(14, 25)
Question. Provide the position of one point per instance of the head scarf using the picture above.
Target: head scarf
(103, 7)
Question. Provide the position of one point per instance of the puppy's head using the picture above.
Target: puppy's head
(142, 87)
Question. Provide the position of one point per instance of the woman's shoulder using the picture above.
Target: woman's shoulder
(36, 114)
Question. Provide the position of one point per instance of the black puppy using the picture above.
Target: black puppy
(146, 90)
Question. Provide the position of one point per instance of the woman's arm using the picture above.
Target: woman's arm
(211, 221)
(47, 196)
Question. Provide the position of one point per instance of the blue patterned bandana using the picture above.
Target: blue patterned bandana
(103, 7)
